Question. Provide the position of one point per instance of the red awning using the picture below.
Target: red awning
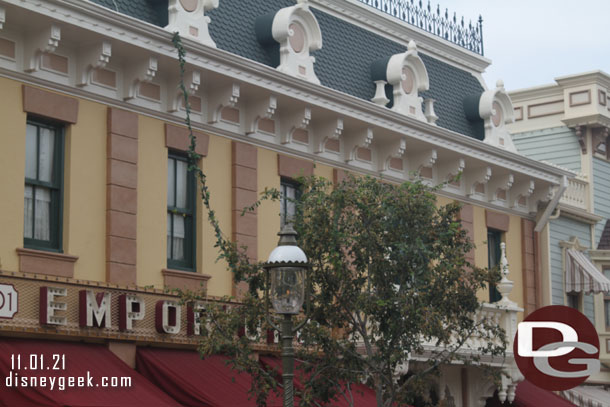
(198, 382)
(362, 395)
(528, 395)
(56, 362)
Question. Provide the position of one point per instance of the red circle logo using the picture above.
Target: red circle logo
(556, 348)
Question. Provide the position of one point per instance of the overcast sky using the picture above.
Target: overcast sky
(532, 42)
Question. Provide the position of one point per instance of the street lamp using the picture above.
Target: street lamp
(286, 272)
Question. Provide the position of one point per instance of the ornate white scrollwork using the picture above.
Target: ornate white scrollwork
(188, 19)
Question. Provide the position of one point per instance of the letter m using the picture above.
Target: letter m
(94, 310)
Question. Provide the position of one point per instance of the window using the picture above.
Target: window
(573, 300)
(290, 193)
(494, 238)
(42, 222)
(181, 206)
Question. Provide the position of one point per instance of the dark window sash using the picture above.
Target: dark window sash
(55, 242)
(189, 215)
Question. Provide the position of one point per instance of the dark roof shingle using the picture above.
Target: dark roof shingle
(342, 64)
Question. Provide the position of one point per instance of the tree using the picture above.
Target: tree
(389, 281)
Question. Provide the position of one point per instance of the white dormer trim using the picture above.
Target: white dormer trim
(297, 31)
(407, 75)
(187, 17)
(496, 110)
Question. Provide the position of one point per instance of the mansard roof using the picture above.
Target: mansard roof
(342, 64)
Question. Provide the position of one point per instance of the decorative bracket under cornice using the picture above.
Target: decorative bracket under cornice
(499, 183)
(449, 169)
(581, 135)
(297, 120)
(329, 130)
(97, 56)
(359, 139)
(540, 195)
(220, 98)
(192, 81)
(474, 177)
(420, 160)
(389, 150)
(142, 72)
(522, 189)
(45, 41)
(260, 109)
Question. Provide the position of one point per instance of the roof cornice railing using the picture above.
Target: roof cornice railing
(426, 18)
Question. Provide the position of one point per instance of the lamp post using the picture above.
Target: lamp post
(286, 271)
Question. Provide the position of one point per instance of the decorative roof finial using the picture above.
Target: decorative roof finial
(505, 286)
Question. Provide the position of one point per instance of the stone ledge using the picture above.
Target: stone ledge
(184, 280)
(49, 263)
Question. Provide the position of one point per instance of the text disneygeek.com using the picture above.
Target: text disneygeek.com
(18, 376)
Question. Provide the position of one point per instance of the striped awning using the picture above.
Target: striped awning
(583, 276)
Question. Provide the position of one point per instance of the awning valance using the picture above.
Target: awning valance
(47, 374)
(528, 395)
(193, 381)
(594, 396)
(582, 275)
(359, 394)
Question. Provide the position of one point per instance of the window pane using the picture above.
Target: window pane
(181, 168)
(178, 238)
(28, 211)
(171, 180)
(45, 164)
(42, 212)
(607, 309)
(30, 152)
(290, 204)
(169, 235)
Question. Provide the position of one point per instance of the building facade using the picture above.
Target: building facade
(100, 215)
(566, 124)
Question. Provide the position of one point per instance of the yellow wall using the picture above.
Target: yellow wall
(269, 211)
(12, 170)
(325, 171)
(152, 202)
(217, 167)
(85, 211)
(84, 231)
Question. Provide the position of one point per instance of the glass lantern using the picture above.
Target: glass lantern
(287, 289)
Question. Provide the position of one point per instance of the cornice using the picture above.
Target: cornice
(536, 92)
(587, 78)
(579, 214)
(212, 130)
(401, 32)
(594, 119)
(156, 40)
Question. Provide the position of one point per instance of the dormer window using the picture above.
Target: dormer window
(187, 18)
(490, 112)
(298, 37)
(399, 79)
(497, 115)
(290, 35)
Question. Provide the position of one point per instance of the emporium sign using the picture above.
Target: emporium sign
(94, 311)
(35, 304)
